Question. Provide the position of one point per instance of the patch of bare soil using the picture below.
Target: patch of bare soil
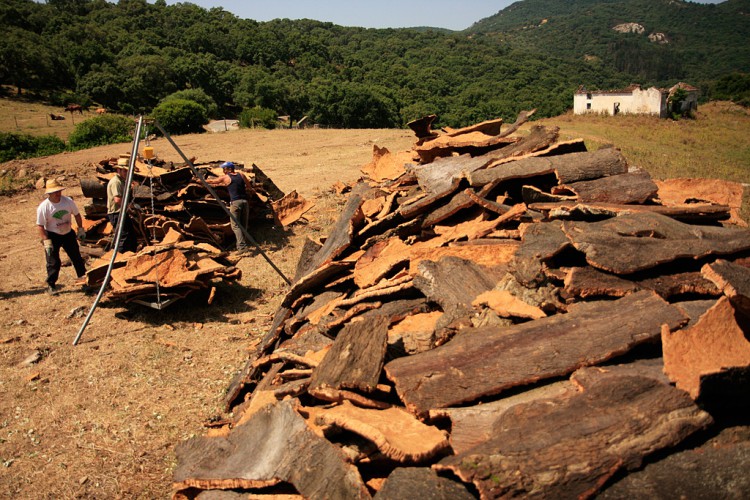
(101, 419)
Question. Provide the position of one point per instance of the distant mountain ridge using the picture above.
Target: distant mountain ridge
(679, 39)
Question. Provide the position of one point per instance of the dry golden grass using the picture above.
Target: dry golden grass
(716, 144)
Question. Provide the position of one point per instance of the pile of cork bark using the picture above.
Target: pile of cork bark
(500, 314)
(182, 230)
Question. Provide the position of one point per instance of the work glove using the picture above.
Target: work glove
(47, 247)
(81, 233)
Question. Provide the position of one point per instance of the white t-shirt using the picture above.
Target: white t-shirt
(56, 217)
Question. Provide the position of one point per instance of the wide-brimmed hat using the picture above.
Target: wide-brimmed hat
(123, 163)
(53, 186)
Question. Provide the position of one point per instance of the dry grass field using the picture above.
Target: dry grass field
(101, 419)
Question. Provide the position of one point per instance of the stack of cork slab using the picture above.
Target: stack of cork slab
(496, 314)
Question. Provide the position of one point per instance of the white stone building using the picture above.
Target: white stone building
(632, 100)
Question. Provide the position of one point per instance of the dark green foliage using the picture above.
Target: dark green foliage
(19, 146)
(131, 55)
(181, 116)
(100, 130)
(196, 95)
(258, 117)
(733, 87)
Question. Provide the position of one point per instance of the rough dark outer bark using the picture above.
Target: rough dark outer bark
(636, 242)
(627, 188)
(454, 281)
(309, 249)
(422, 127)
(671, 286)
(275, 446)
(440, 179)
(486, 361)
(568, 168)
(457, 203)
(532, 194)
(539, 138)
(567, 447)
(421, 483)
(705, 473)
(694, 309)
(315, 280)
(540, 242)
(589, 282)
(356, 357)
(705, 214)
(733, 280)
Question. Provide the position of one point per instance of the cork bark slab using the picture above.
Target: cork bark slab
(733, 280)
(676, 192)
(596, 211)
(539, 243)
(586, 282)
(291, 208)
(714, 344)
(421, 482)
(356, 357)
(636, 242)
(454, 281)
(627, 188)
(487, 361)
(256, 455)
(396, 433)
(568, 168)
(386, 165)
(567, 447)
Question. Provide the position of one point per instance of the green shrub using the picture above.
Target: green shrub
(258, 117)
(181, 116)
(19, 146)
(197, 95)
(100, 130)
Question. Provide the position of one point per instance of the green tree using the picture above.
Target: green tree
(181, 116)
(258, 117)
(100, 130)
(196, 95)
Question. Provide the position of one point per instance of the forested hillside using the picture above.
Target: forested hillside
(680, 40)
(130, 55)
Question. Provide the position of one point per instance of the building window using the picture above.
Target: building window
(588, 105)
(588, 96)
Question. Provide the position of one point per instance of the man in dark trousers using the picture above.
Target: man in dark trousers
(237, 185)
(115, 191)
(53, 221)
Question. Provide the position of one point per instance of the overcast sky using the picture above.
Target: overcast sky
(451, 14)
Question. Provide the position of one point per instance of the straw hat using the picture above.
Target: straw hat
(53, 187)
(123, 163)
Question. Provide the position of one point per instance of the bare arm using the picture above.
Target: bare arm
(224, 180)
(42, 232)
(79, 220)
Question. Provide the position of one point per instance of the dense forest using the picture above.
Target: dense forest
(131, 55)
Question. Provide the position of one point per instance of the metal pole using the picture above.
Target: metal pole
(218, 200)
(120, 224)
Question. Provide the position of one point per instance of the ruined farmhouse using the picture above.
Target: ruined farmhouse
(633, 100)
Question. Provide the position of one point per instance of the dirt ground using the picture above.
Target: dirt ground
(102, 419)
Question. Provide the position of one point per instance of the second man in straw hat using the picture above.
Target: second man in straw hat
(115, 190)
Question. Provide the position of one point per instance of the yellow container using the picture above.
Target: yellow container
(148, 152)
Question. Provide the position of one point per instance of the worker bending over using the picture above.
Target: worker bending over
(237, 185)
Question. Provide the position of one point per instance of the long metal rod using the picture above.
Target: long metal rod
(221, 204)
(120, 224)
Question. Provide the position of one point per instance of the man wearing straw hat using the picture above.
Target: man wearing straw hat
(115, 190)
(53, 220)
